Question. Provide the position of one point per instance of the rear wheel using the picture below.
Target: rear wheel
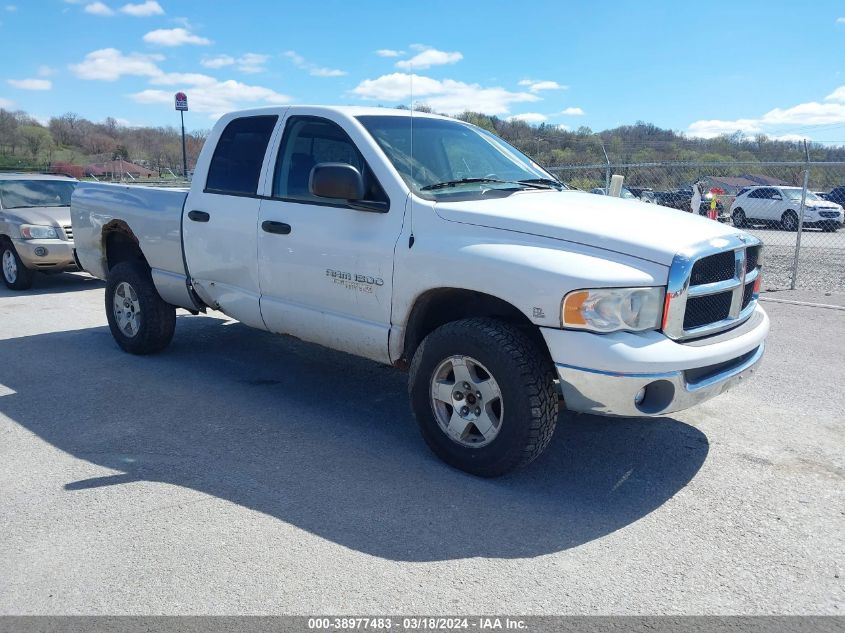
(140, 320)
(789, 221)
(16, 276)
(739, 218)
(483, 395)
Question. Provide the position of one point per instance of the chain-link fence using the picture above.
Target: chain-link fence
(802, 250)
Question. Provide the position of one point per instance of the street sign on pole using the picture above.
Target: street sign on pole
(182, 106)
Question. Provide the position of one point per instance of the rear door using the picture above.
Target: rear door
(755, 203)
(326, 266)
(220, 220)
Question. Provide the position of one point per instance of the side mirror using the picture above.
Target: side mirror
(336, 180)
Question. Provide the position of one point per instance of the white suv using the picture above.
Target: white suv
(780, 206)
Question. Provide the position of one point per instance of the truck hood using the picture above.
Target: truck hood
(48, 216)
(646, 231)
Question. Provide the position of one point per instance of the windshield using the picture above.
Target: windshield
(445, 157)
(20, 194)
(795, 194)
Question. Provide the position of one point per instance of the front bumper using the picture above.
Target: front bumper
(58, 254)
(603, 374)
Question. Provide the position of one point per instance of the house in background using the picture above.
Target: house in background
(732, 184)
(113, 169)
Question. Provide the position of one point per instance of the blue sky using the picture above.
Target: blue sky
(699, 67)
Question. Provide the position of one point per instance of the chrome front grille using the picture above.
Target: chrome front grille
(68, 229)
(711, 289)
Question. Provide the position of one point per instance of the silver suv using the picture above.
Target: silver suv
(35, 229)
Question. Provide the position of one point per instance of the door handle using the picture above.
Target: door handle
(198, 216)
(279, 228)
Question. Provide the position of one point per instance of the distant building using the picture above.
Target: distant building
(732, 184)
(112, 169)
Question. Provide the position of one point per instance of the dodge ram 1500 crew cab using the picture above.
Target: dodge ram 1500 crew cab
(427, 243)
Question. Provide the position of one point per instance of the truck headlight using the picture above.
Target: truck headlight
(35, 232)
(613, 309)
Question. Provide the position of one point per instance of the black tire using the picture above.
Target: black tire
(157, 320)
(22, 276)
(738, 217)
(789, 221)
(528, 396)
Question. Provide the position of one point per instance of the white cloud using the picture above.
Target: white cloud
(11, 8)
(6, 103)
(175, 37)
(428, 57)
(811, 113)
(313, 69)
(840, 20)
(46, 71)
(98, 8)
(529, 117)
(218, 97)
(252, 62)
(109, 64)
(389, 52)
(572, 112)
(30, 84)
(716, 127)
(143, 9)
(448, 96)
(771, 123)
(218, 61)
(536, 86)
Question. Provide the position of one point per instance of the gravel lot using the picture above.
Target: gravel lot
(821, 267)
(240, 472)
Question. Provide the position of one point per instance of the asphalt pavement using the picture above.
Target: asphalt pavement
(240, 472)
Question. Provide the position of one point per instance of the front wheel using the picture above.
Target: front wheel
(738, 218)
(140, 320)
(789, 221)
(16, 276)
(483, 395)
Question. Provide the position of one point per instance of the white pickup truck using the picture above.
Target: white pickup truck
(430, 244)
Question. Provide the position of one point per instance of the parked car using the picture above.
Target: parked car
(644, 194)
(837, 195)
(824, 195)
(780, 206)
(35, 227)
(454, 256)
(625, 194)
(681, 199)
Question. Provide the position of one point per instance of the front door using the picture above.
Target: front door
(325, 266)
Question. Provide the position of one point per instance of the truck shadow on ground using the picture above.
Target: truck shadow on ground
(326, 442)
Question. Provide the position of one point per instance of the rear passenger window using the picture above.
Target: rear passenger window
(236, 164)
(758, 193)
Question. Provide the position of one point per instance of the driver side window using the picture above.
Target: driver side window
(307, 142)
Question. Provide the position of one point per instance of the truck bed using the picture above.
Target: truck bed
(152, 214)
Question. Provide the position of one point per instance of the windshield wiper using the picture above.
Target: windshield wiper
(542, 181)
(462, 181)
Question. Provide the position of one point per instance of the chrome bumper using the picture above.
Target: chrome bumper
(614, 394)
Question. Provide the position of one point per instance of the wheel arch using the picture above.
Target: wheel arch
(439, 306)
(119, 244)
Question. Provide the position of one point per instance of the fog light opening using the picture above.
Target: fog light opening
(655, 397)
(40, 251)
(639, 396)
